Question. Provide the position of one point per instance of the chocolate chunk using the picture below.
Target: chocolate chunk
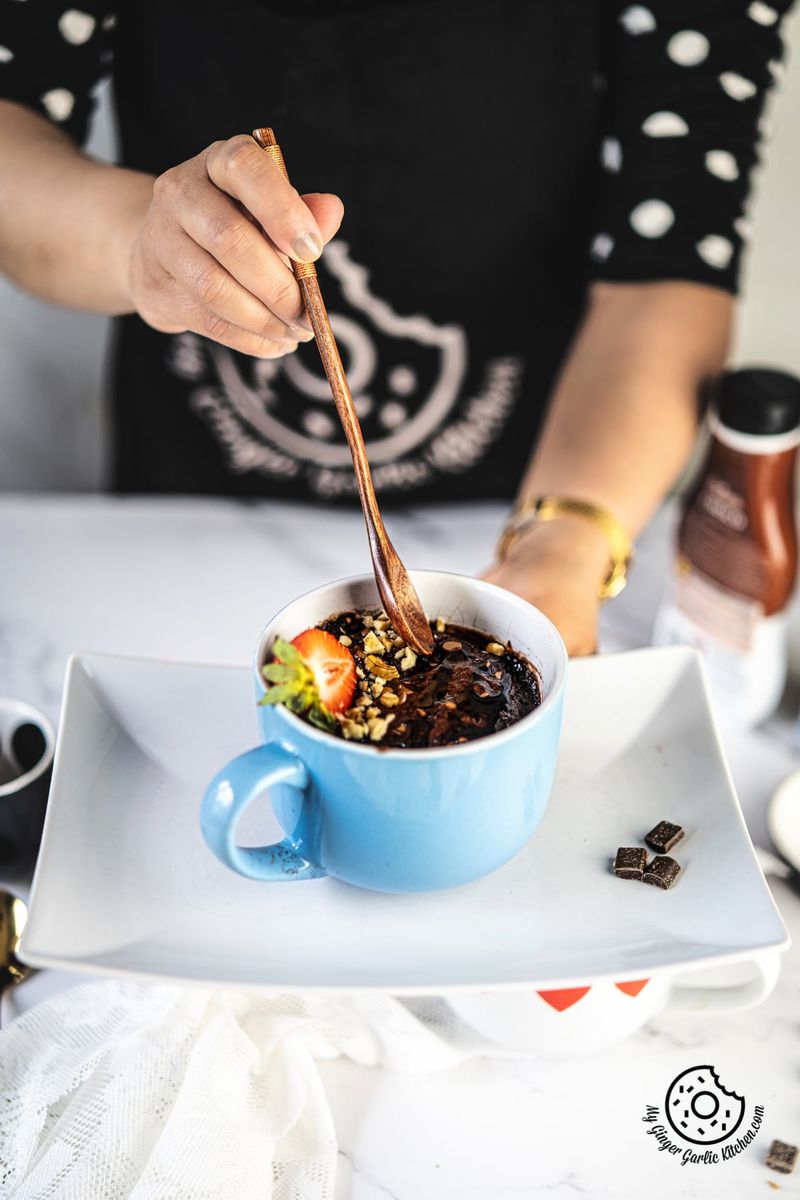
(782, 1157)
(630, 862)
(664, 836)
(662, 872)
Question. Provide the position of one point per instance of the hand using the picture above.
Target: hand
(558, 566)
(212, 252)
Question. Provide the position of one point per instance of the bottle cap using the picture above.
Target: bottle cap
(759, 401)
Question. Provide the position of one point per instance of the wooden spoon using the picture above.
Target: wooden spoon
(396, 589)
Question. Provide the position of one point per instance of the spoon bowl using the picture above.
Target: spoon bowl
(399, 596)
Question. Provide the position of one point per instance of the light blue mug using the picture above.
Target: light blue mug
(395, 820)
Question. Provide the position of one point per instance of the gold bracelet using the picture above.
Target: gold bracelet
(549, 508)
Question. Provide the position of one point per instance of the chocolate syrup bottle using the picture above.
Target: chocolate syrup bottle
(736, 557)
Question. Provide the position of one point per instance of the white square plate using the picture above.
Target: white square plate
(126, 885)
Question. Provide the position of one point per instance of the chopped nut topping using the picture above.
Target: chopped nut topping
(377, 727)
(404, 699)
(380, 668)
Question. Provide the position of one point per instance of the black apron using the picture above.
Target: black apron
(461, 136)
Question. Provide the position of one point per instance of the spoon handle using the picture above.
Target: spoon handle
(394, 585)
(306, 276)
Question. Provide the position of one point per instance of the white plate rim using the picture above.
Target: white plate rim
(96, 968)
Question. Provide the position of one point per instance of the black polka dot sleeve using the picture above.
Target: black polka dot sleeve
(686, 83)
(52, 57)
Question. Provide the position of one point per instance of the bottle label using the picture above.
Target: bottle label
(711, 609)
(716, 532)
(744, 651)
(723, 504)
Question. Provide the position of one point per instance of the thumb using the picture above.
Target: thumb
(327, 211)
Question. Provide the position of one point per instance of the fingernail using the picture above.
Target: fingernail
(305, 335)
(307, 247)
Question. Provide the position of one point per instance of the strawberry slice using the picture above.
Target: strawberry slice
(332, 666)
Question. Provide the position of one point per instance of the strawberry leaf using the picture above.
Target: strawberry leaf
(288, 654)
(280, 693)
(279, 672)
(318, 715)
(297, 702)
(292, 684)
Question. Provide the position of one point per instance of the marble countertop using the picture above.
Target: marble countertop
(196, 580)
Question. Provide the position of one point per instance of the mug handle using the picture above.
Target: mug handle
(691, 998)
(232, 791)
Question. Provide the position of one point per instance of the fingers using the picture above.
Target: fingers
(209, 301)
(242, 169)
(213, 255)
(242, 340)
(241, 248)
(222, 297)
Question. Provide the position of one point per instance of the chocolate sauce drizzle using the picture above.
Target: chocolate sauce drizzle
(457, 693)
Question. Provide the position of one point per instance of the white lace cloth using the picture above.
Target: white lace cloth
(116, 1090)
